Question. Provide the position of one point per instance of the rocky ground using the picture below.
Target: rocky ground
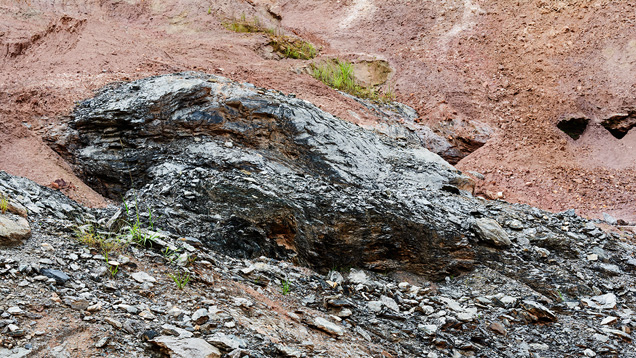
(65, 298)
(437, 272)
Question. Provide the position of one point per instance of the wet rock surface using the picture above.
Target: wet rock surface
(560, 286)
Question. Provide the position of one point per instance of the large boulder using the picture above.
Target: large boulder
(253, 172)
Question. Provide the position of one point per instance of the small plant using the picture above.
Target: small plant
(287, 46)
(113, 269)
(138, 235)
(4, 204)
(339, 74)
(169, 255)
(89, 236)
(181, 279)
(285, 287)
(191, 260)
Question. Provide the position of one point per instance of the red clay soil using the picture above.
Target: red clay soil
(516, 67)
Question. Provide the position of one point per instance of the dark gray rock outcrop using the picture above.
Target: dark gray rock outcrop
(252, 172)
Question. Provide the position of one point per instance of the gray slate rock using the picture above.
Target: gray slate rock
(59, 276)
(186, 347)
(490, 231)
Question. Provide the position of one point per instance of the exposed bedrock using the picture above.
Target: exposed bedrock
(253, 172)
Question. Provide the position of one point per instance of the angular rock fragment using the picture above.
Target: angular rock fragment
(328, 327)
(490, 231)
(13, 230)
(186, 347)
(59, 276)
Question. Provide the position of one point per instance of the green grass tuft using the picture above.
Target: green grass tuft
(287, 46)
(339, 74)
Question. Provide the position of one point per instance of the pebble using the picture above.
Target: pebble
(15, 310)
(59, 276)
(609, 320)
(113, 322)
(427, 329)
(498, 328)
(390, 303)
(142, 277)
(102, 342)
(328, 327)
(374, 306)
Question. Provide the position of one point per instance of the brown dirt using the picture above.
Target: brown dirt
(517, 67)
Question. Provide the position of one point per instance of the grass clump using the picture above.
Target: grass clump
(285, 287)
(140, 236)
(181, 279)
(91, 237)
(4, 204)
(339, 74)
(293, 48)
(286, 46)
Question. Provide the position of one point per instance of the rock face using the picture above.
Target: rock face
(251, 172)
(268, 174)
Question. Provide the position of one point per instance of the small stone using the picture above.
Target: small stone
(13, 230)
(186, 347)
(79, 305)
(617, 332)
(113, 322)
(427, 310)
(498, 328)
(142, 277)
(287, 351)
(610, 219)
(374, 306)
(490, 231)
(390, 303)
(589, 353)
(94, 308)
(539, 346)
(146, 314)
(102, 342)
(427, 329)
(606, 301)
(592, 257)
(59, 276)
(345, 312)
(175, 311)
(609, 320)
(200, 316)
(328, 327)
(539, 311)
(515, 225)
(600, 338)
(15, 310)
(226, 342)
